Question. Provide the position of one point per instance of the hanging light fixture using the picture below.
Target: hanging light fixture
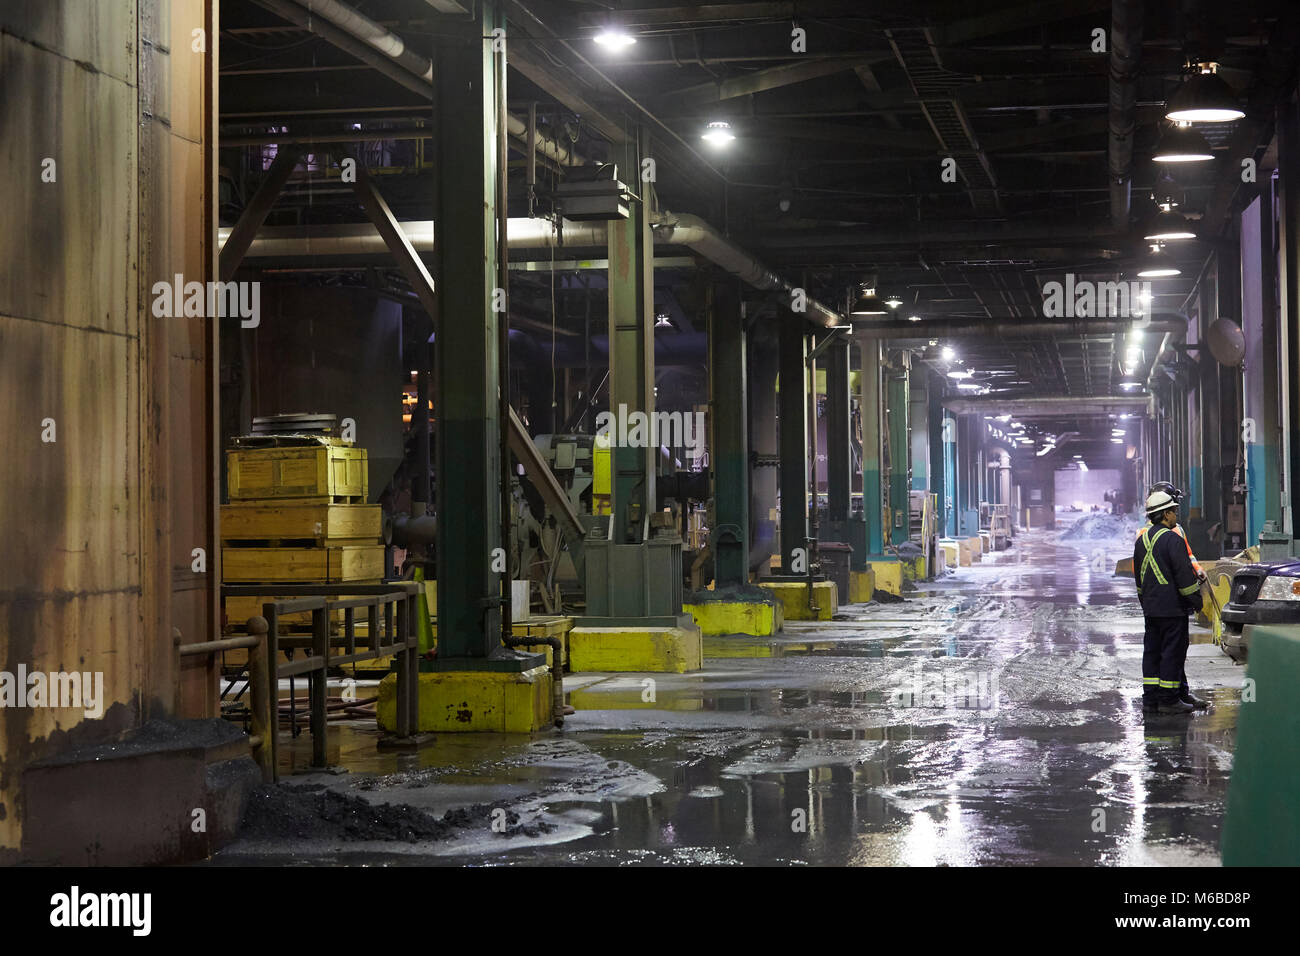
(914, 318)
(868, 303)
(1168, 224)
(1157, 264)
(893, 301)
(1182, 144)
(613, 37)
(1203, 97)
(718, 133)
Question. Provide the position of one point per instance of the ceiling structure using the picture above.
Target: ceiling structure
(836, 176)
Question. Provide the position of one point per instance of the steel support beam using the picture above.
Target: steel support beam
(1288, 283)
(838, 464)
(900, 479)
(631, 363)
(869, 401)
(254, 214)
(794, 444)
(729, 412)
(468, 469)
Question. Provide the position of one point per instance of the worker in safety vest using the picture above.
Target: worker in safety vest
(1177, 495)
(1169, 591)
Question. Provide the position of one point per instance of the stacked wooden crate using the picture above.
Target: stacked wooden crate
(297, 516)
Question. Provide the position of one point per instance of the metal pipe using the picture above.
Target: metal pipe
(700, 237)
(1008, 327)
(523, 233)
(374, 45)
(372, 34)
(1125, 57)
(212, 647)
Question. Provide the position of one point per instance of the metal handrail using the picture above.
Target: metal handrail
(399, 638)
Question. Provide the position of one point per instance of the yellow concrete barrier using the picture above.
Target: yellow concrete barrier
(793, 596)
(669, 650)
(889, 576)
(474, 701)
(755, 618)
(862, 585)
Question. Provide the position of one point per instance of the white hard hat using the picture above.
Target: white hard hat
(1160, 501)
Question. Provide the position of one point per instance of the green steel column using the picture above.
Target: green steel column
(729, 537)
(631, 358)
(1288, 285)
(794, 439)
(468, 476)
(899, 476)
(1260, 379)
(939, 431)
(918, 411)
(870, 405)
(838, 464)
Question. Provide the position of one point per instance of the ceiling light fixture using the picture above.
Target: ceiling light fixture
(914, 318)
(614, 38)
(1168, 224)
(1182, 144)
(1203, 97)
(868, 303)
(1157, 264)
(718, 133)
(948, 353)
(893, 301)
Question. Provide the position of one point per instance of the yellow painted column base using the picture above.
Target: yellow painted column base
(755, 618)
(793, 596)
(914, 569)
(889, 576)
(474, 701)
(862, 585)
(951, 553)
(661, 650)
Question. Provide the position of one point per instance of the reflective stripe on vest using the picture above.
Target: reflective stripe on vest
(1150, 559)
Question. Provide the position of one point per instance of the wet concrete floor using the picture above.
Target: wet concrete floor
(992, 718)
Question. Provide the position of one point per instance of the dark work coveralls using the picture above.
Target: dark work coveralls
(1169, 592)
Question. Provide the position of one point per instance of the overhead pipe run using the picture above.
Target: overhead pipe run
(691, 232)
(697, 235)
(1050, 406)
(1125, 56)
(1008, 327)
(386, 52)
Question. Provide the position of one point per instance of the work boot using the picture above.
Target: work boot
(1174, 707)
(1200, 703)
(1149, 704)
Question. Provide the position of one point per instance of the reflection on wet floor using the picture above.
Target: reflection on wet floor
(993, 718)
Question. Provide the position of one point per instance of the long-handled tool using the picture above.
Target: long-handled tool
(1216, 619)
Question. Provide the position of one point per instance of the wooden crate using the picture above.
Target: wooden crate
(240, 609)
(292, 520)
(330, 565)
(322, 472)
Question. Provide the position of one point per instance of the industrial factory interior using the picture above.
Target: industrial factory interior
(513, 433)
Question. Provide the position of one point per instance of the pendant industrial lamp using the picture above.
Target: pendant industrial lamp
(1168, 225)
(1182, 144)
(1157, 264)
(1203, 97)
(868, 303)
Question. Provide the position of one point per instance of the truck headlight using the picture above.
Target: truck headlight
(1278, 588)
